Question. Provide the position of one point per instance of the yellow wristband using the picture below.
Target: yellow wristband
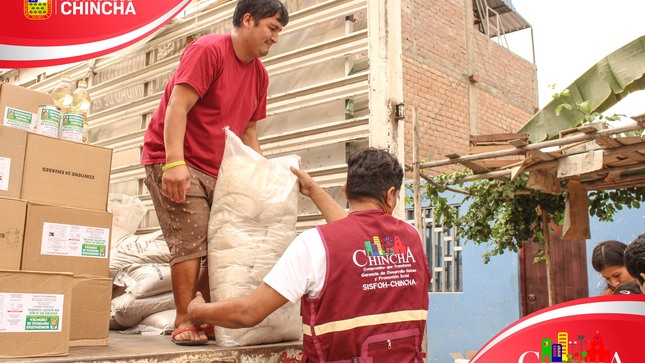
(172, 165)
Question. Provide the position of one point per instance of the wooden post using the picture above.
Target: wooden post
(547, 256)
(416, 178)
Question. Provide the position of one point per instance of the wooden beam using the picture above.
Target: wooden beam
(567, 150)
(497, 174)
(536, 146)
(630, 181)
(576, 212)
(613, 175)
(614, 170)
(544, 182)
(470, 165)
(625, 149)
(489, 147)
(607, 142)
(496, 137)
(498, 163)
(586, 129)
(539, 154)
(519, 142)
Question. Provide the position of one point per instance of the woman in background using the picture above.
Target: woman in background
(607, 259)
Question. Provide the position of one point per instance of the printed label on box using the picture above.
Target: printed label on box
(76, 241)
(21, 313)
(18, 118)
(5, 168)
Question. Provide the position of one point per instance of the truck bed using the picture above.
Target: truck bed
(124, 348)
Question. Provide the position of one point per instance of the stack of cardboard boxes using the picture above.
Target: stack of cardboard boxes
(54, 238)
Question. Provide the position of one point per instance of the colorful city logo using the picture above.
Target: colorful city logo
(567, 349)
(388, 247)
(38, 33)
(605, 329)
(377, 252)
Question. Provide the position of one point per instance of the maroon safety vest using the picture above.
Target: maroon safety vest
(374, 302)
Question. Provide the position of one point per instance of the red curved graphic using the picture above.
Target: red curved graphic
(605, 329)
(36, 33)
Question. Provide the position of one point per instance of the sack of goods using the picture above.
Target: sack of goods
(253, 220)
(140, 269)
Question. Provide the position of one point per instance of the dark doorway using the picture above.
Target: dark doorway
(569, 265)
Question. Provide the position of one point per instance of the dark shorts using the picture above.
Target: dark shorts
(184, 225)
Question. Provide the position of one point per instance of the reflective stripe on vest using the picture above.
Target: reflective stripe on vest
(367, 320)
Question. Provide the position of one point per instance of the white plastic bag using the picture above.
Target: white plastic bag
(127, 213)
(253, 219)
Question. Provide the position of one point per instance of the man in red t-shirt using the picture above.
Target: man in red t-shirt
(219, 82)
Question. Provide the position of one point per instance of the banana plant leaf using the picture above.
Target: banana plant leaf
(605, 84)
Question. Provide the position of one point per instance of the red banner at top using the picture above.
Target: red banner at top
(35, 33)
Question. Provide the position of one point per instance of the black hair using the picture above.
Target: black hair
(626, 288)
(371, 173)
(608, 253)
(260, 9)
(635, 258)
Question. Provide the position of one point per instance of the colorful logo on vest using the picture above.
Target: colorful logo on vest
(36, 33)
(386, 263)
(390, 251)
(605, 329)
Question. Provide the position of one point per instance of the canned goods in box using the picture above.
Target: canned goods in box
(72, 127)
(48, 121)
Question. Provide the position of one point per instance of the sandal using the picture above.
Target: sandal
(210, 332)
(187, 342)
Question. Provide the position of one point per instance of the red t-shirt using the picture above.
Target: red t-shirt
(231, 93)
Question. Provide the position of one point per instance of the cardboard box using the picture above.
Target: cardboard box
(13, 143)
(19, 105)
(91, 299)
(66, 173)
(12, 229)
(65, 239)
(35, 311)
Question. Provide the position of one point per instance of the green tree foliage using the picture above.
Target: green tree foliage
(585, 110)
(605, 203)
(503, 214)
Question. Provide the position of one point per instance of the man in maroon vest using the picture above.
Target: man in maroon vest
(362, 279)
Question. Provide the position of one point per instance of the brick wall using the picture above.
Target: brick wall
(436, 80)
